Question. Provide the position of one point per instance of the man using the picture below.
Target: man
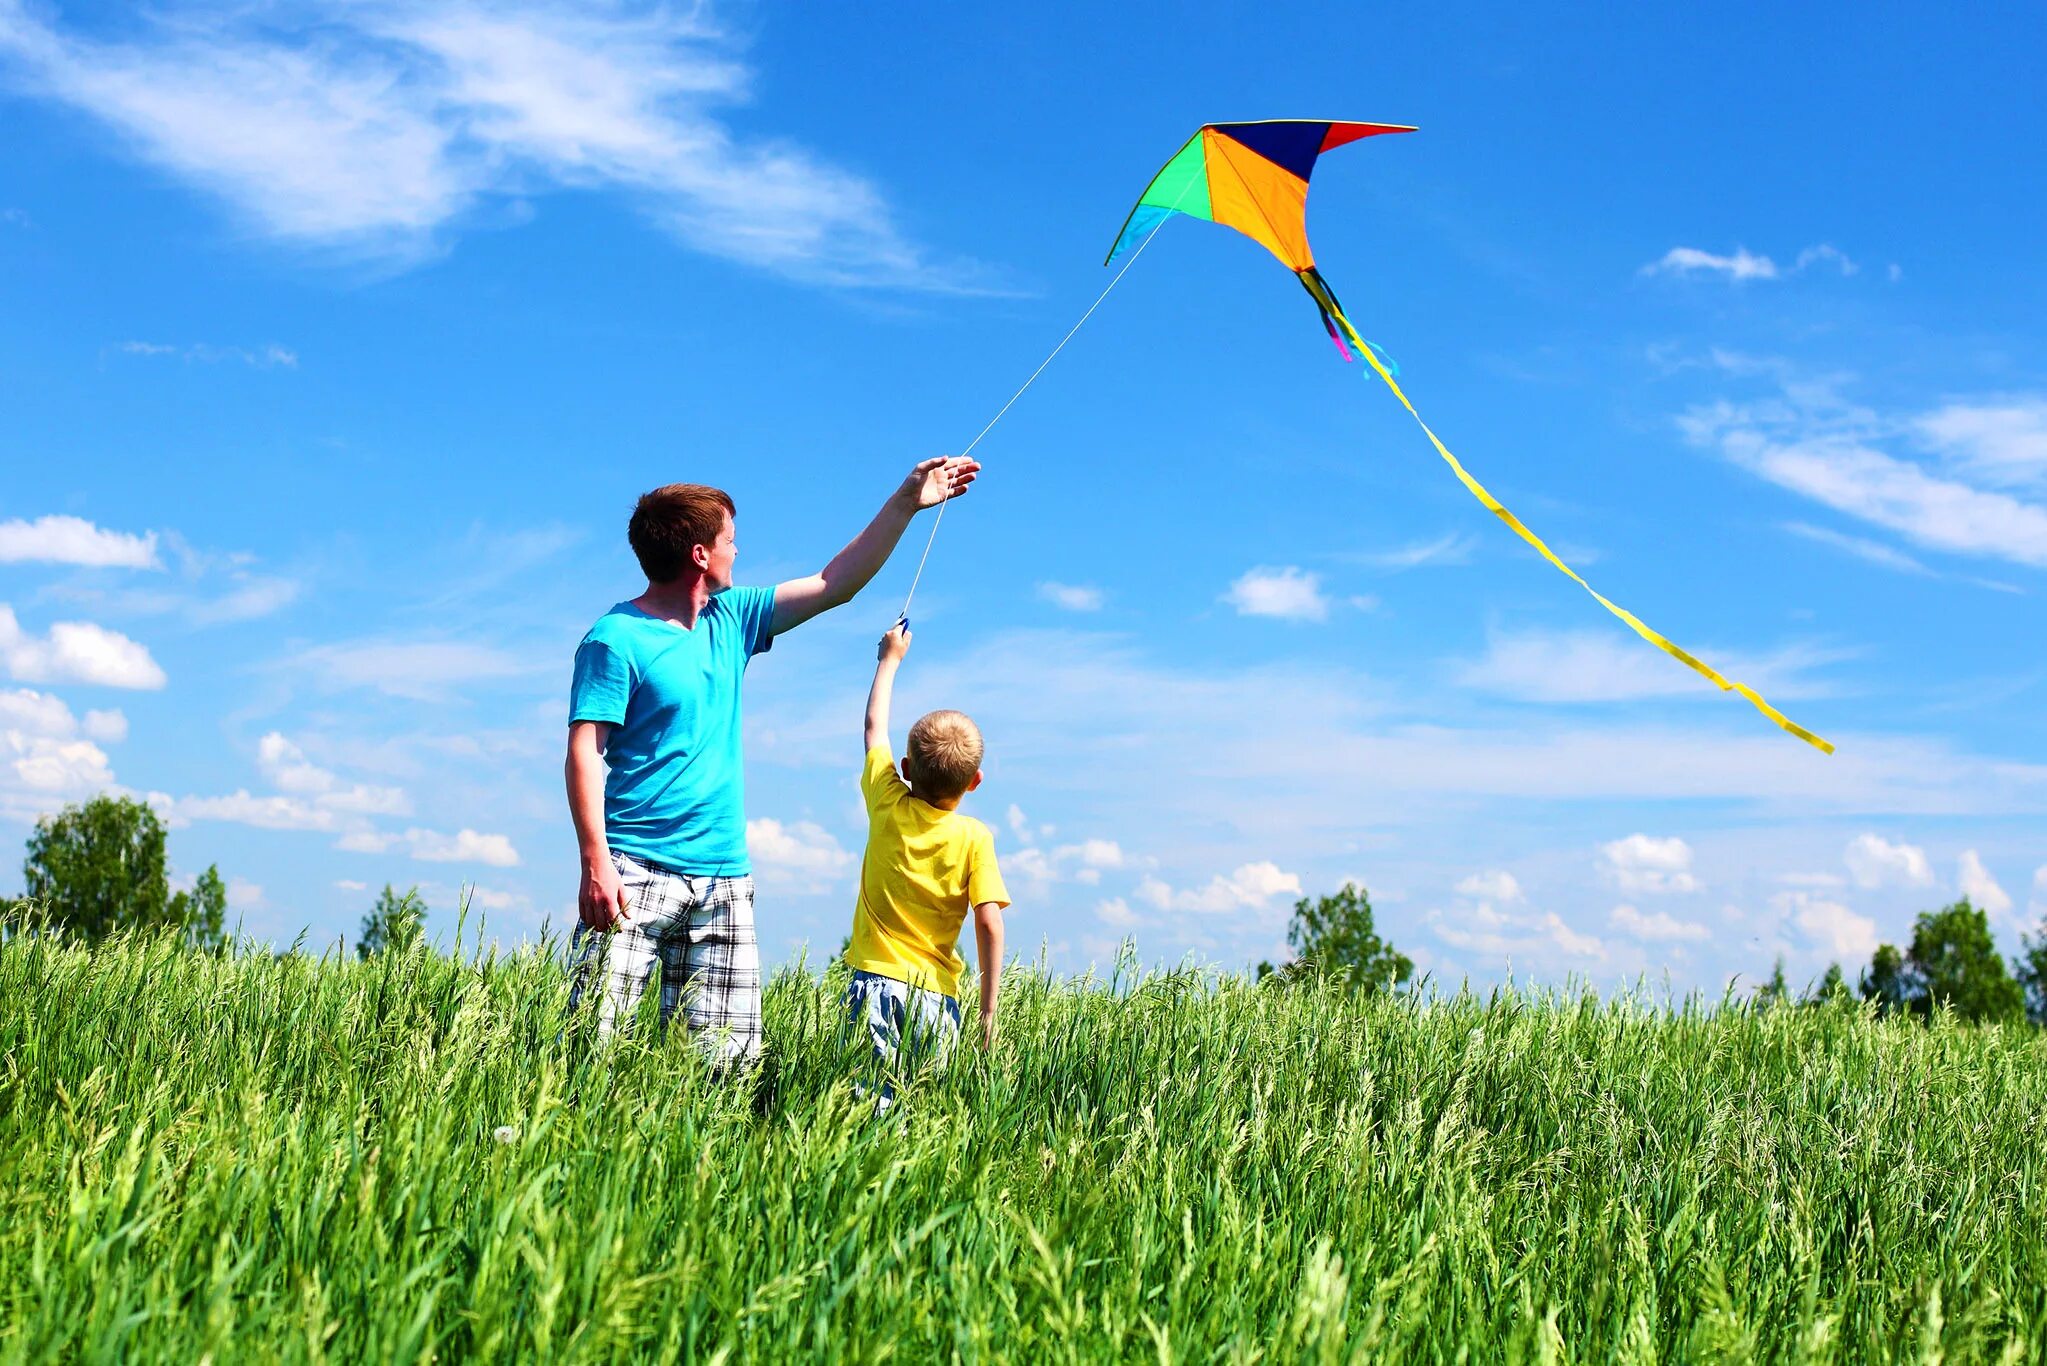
(654, 772)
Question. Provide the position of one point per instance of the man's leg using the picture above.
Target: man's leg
(721, 986)
(617, 964)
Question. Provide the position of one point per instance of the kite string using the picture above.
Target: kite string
(932, 539)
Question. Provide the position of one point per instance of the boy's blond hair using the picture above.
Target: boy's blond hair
(944, 754)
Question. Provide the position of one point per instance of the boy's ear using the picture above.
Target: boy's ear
(976, 782)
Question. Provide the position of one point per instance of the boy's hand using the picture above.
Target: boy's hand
(895, 643)
(988, 1033)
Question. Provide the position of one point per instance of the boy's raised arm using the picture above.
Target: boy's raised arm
(888, 656)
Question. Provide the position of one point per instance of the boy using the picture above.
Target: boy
(925, 865)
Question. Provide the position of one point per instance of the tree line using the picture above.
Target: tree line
(99, 867)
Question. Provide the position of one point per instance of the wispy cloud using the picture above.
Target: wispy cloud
(420, 670)
(1875, 552)
(1810, 440)
(1874, 861)
(2002, 443)
(1071, 597)
(1644, 863)
(1452, 548)
(1656, 926)
(1981, 887)
(376, 128)
(59, 539)
(1603, 666)
(1744, 265)
(801, 854)
(202, 353)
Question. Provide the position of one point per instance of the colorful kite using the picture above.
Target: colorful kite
(1254, 177)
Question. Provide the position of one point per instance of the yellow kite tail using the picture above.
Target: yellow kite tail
(1499, 510)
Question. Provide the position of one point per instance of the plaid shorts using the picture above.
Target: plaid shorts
(700, 930)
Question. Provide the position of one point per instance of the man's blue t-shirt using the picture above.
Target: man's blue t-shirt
(675, 793)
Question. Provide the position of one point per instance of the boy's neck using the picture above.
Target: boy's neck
(942, 803)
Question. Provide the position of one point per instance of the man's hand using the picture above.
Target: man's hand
(600, 902)
(895, 643)
(933, 481)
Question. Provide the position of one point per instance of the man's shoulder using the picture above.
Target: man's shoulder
(616, 627)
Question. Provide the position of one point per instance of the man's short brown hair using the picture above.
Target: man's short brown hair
(945, 754)
(673, 520)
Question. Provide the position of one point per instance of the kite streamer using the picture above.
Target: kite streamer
(1254, 177)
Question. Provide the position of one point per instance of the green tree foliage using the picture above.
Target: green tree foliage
(395, 924)
(1774, 991)
(1831, 988)
(203, 910)
(97, 868)
(1333, 936)
(1953, 961)
(2030, 967)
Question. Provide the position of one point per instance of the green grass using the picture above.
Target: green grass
(260, 1158)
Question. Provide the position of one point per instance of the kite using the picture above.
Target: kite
(1254, 177)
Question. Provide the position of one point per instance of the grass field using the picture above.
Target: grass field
(255, 1158)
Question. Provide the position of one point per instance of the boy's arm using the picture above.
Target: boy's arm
(930, 483)
(988, 948)
(888, 657)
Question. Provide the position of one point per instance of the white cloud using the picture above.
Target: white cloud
(1812, 442)
(58, 539)
(1094, 853)
(1830, 926)
(1643, 863)
(1607, 666)
(1744, 265)
(288, 769)
(266, 813)
(418, 670)
(1288, 592)
(1251, 887)
(491, 899)
(1656, 927)
(1116, 911)
(1981, 888)
(1018, 826)
(243, 895)
(76, 652)
(1496, 885)
(801, 852)
(109, 726)
(465, 846)
(1687, 260)
(2003, 443)
(37, 713)
(349, 884)
(1825, 252)
(53, 767)
(1860, 547)
(1538, 938)
(375, 128)
(1072, 597)
(264, 357)
(1873, 861)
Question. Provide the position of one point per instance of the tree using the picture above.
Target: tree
(1952, 961)
(203, 910)
(1832, 987)
(1775, 991)
(1333, 935)
(395, 923)
(99, 867)
(2030, 967)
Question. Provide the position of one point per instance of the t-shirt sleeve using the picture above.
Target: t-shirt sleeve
(755, 608)
(602, 685)
(984, 875)
(880, 786)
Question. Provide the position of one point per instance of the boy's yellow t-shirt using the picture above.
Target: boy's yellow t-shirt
(924, 869)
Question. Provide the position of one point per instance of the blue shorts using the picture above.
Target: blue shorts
(906, 1026)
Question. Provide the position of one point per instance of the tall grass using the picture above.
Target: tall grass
(247, 1157)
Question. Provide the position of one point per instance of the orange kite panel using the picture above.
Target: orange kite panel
(1257, 198)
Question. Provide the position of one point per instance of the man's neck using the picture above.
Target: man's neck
(680, 601)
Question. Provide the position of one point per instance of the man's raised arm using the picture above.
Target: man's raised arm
(929, 484)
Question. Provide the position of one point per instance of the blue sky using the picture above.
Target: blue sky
(336, 343)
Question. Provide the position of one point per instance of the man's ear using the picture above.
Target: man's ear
(700, 555)
(976, 782)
